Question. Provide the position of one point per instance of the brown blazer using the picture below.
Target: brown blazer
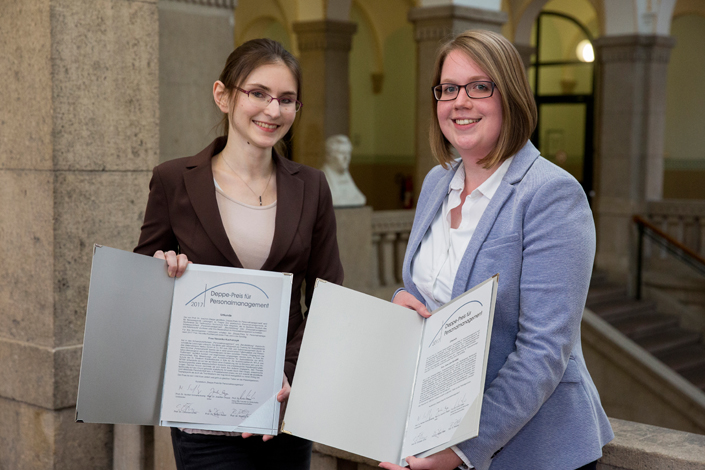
(182, 215)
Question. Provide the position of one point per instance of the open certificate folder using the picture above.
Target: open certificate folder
(380, 381)
(202, 351)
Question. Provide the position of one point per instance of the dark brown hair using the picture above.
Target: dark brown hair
(499, 59)
(248, 57)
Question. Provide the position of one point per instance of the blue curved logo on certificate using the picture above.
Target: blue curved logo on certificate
(451, 316)
(224, 284)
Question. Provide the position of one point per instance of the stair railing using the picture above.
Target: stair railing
(672, 246)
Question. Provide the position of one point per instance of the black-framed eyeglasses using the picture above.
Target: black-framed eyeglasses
(476, 90)
(262, 99)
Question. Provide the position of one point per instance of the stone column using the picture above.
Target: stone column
(525, 51)
(631, 109)
(79, 134)
(195, 39)
(433, 26)
(324, 47)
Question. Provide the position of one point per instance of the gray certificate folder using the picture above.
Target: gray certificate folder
(125, 341)
(378, 380)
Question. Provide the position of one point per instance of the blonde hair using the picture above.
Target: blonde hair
(499, 59)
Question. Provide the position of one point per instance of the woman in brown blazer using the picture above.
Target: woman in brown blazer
(239, 203)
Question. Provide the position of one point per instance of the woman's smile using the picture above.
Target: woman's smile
(465, 122)
(472, 126)
(267, 127)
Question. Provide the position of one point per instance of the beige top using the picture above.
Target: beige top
(251, 231)
(249, 228)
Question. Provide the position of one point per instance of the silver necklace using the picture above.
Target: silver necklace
(248, 186)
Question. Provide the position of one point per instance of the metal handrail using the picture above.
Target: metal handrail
(668, 243)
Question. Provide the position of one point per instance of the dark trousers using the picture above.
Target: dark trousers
(208, 452)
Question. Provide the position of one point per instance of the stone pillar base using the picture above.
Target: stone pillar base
(35, 438)
(355, 244)
(163, 450)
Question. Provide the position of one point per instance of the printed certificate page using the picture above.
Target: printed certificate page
(450, 375)
(225, 356)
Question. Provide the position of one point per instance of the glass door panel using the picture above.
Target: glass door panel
(565, 79)
(562, 136)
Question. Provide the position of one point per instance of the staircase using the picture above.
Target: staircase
(661, 335)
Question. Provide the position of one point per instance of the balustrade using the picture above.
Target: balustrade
(390, 235)
(683, 220)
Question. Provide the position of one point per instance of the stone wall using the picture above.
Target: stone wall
(640, 446)
(194, 42)
(78, 137)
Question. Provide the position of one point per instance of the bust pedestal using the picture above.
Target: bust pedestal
(355, 244)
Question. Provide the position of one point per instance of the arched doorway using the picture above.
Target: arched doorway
(562, 77)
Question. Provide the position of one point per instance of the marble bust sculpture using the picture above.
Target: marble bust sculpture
(342, 186)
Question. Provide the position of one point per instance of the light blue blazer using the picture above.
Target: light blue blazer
(540, 409)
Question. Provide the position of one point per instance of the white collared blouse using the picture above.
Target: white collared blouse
(436, 262)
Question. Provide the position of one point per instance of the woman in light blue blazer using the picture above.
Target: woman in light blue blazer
(502, 208)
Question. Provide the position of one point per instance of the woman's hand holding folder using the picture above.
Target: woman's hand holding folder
(282, 397)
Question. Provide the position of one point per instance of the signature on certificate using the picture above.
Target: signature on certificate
(420, 437)
(215, 412)
(185, 408)
(240, 413)
(461, 401)
(432, 413)
(214, 393)
(190, 389)
(438, 432)
(248, 395)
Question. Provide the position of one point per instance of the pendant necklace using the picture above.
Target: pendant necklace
(248, 186)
